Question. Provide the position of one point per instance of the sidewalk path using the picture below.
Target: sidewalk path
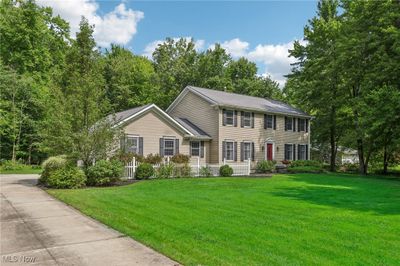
(38, 229)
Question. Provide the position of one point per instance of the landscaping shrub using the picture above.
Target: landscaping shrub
(205, 171)
(350, 167)
(306, 166)
(153, 159)
(51, 165)
(104, 173)
(286, 162)
(265, 166)
(182, 170)
(127, 157)
(225, 170)
(165, 171)
(67, 177)
(144, 171)
(306, 163)
(180, 158)
(10, 165)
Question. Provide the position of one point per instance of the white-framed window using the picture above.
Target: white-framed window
(169, 147)
(229, 150)
(289, 152)
(195, 148)
(270, 121)
(302, 152)
(246, 119)
(288, 123)
(131, 144)
(247, 150)
(301, 124)
(229, 117)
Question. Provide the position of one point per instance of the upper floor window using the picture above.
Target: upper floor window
(270, 121)
(169, 147)
(301, 124)
(229, 117)
(288, 123)
(247, 119)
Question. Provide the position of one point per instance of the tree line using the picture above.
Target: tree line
(54, 88)
(347, 74)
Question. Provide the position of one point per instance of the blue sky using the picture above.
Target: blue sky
(261, 31)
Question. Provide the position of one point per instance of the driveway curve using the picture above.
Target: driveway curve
(38, 229)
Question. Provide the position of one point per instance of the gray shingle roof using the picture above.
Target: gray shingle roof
(195, 130)
(127, 113)
(229, 99)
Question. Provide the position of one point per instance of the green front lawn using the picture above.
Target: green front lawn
(287, 219)
(26, 169)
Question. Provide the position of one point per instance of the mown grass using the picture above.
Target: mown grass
(25, 169)
(326, 219)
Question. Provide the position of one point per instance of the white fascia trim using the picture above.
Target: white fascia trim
(183, 94)
(161, 112)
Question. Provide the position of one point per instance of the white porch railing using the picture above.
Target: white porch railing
(239, 168)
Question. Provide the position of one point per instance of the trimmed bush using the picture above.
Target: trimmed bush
(265, 166)
(180, 158)
(165, 171)
(153, 159)
(67, 177)
(225, 170)
(306, 163)
(205, 171)
(144, 171)
(51, 165)
(182, 170)
(104, 173)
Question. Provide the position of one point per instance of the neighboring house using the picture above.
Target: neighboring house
(348, 155)
(218, 126)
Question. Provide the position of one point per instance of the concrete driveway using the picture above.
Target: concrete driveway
(37, 229)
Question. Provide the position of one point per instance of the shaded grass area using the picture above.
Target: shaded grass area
(288, 219)
(24, 169)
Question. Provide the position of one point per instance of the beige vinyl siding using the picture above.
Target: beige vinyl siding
(152, 127)
(202, 114)
(259, 136)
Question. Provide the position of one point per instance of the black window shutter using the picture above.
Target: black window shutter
(307, 152)
(286, 149)
(235, 118)
(223, 150)
(241, 119)
(122, 143)
(252, 151)
(294, 152)
(201, 149)
(306, 125)
(223, 117)
(235, 151)
(274, 121)
(161, 147)
(176, 146)
(298, 124)
(141, 145)
(265, 121)
(294, 124)
(286, 123)
(298, 151)
(252, 120)
(242, 151)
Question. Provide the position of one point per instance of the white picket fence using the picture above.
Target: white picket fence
(239, 168)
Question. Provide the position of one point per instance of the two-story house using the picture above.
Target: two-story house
(218, 126)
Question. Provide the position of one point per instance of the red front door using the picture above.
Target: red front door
(269, 151)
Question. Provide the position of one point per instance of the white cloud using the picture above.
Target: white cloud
(118, 26)
(235, 47)
(151, 47)
(275, 58)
